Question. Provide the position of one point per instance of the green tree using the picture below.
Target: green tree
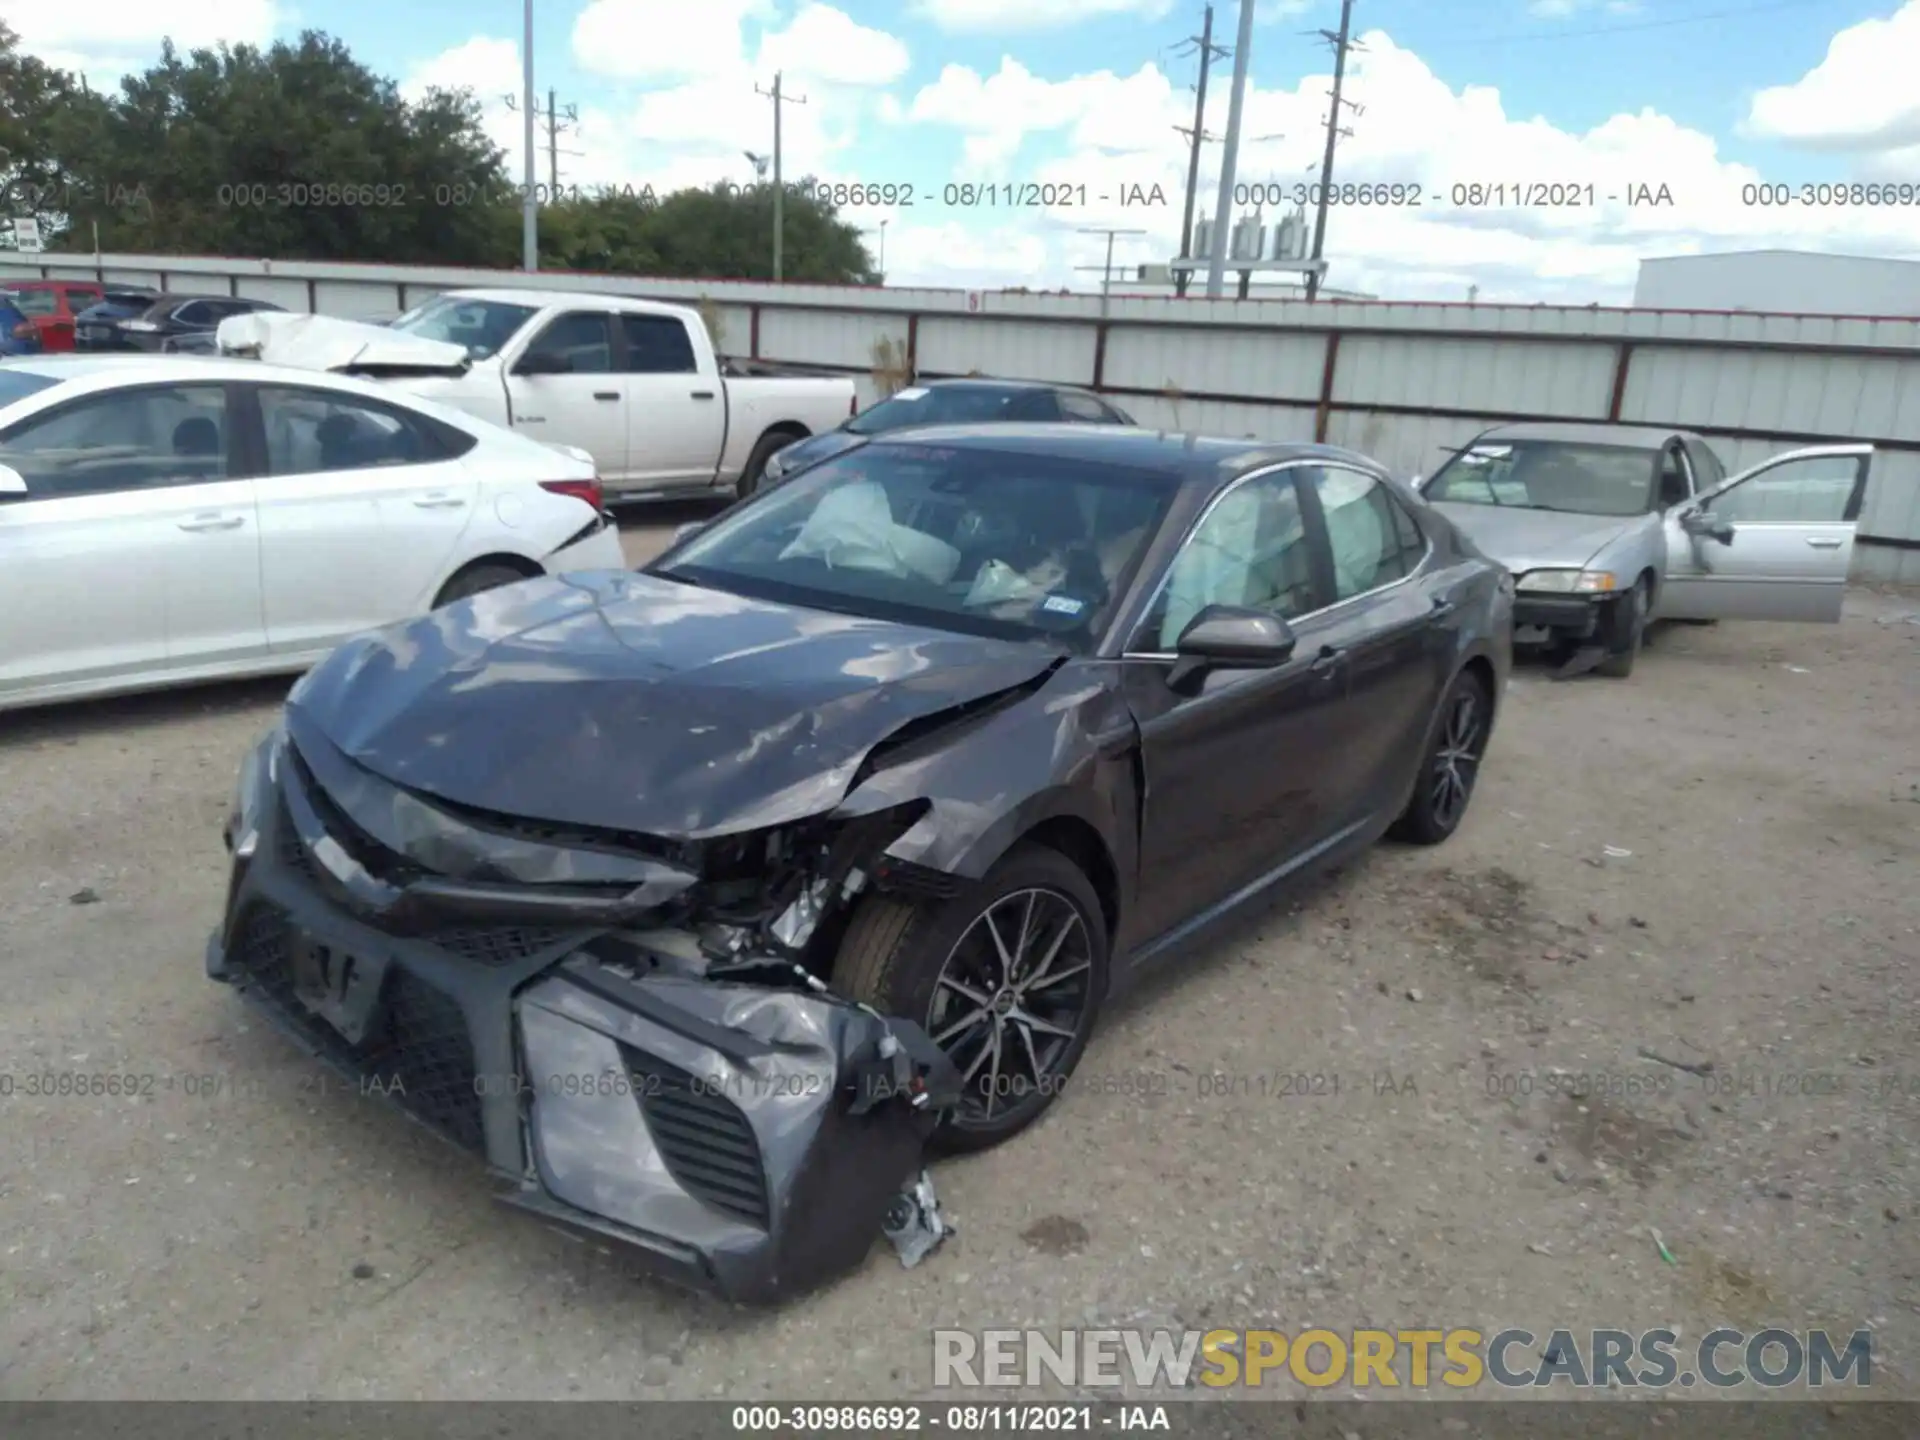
(297, 151)
(720, 233)
(46, 117)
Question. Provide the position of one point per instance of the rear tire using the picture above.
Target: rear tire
(1452, 764)
(944, 965)
(489, 575)
(765, 450)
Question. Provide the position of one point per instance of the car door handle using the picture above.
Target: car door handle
(1443, 606)
(1824, 542)
(439, 502)
(1327, 661)
(703, 394)
(606, 394)
(202, 523)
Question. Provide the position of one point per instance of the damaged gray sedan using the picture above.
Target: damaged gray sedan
(701, 901)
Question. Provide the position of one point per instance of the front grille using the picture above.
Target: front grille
(705, 1140)
(496, 947)
(419, 1054)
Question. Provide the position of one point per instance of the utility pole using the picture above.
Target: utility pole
(530, 205)
(556, 120)
(1208, 52)
(1106, 270)
(779, 188)
(1342, 43)
(1223, 208)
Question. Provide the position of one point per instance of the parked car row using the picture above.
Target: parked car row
(53, 317)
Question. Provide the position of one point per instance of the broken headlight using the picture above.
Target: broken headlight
(259, 772)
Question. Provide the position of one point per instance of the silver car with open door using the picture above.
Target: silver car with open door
(1773, 543)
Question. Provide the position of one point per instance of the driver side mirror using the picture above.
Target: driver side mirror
(1702, 524)
(1228, 637)
(12, 482)
(540, 362)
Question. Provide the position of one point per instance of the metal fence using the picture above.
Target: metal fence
(1398, 381)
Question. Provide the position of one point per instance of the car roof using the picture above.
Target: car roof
(994, 382)
(1177, 456)
(1632, 437)
(134, 366)
(540, 299)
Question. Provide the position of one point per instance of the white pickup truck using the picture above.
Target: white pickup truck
(635, 384)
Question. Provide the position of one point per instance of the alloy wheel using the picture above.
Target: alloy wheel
(1012, 999)
(1456, 759)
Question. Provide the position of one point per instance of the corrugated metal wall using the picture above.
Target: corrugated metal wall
(1399, 381)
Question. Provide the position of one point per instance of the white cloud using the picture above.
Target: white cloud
(110, 38)
(663, 39)
(1862, 96)
(1412, 130)
(999, 16)
(826, 44)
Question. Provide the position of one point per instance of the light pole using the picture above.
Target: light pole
(883, 252)
(530, 204)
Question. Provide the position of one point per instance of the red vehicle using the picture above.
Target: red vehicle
(50, 306)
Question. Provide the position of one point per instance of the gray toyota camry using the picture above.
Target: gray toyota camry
(701, 901)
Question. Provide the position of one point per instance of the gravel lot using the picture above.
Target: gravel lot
(1718, 860)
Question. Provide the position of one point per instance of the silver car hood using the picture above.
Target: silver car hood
(1525, 540)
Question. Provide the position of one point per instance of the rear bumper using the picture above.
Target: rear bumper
(599, 550)
(706, 1128)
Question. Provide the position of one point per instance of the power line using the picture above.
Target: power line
(1342, 43)
(779, 217)
(1208, 53)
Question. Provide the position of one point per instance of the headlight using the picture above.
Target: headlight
(260, 769)
(1569, 582)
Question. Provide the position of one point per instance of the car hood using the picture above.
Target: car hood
(321, 342)
(1525, 540)
(628, 702)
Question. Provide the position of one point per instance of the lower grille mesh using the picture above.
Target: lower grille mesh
(703, 1137)
(420, 1056)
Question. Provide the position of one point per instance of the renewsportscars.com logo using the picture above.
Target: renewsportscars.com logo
(1458, 1358)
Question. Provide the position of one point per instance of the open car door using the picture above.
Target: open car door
(1772, 543)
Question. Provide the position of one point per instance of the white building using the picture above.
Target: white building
(1788, 282)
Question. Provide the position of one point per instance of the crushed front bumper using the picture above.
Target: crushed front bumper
(730, 1136)
(1572, 617)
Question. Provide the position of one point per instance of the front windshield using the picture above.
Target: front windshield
(1548, 475)
(983, 541)
(937, 405)
(479, 326)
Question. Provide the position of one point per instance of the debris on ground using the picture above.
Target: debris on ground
(915, 1223)
(88, 896)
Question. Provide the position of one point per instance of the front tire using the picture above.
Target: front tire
(1451, 766)
(1007, 977)
(1628, 631)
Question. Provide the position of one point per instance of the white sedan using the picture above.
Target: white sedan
(169, 519)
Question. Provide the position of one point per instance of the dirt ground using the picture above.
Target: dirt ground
(1717, 861)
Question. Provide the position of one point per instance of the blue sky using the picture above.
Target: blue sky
(1701, 96)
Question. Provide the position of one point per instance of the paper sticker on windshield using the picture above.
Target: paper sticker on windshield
(1063, 605)
(914, 393)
